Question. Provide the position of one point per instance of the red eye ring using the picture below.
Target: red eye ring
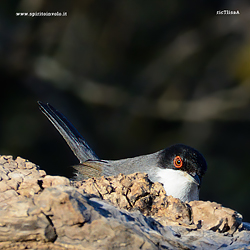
(178, 162)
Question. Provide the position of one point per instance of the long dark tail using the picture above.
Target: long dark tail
(73, 138)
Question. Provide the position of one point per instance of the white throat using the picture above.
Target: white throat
(179, 184)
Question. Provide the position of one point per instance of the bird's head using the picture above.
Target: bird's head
(181, 171)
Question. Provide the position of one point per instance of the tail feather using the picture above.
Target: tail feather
(73, 138)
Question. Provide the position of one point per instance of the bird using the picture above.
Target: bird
(180, 168)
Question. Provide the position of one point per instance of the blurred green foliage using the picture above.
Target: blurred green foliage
(133, 77)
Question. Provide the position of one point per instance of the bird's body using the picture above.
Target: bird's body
(179, 167)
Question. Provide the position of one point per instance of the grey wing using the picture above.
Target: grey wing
(97, 168)
(89, 169)
(73, 138)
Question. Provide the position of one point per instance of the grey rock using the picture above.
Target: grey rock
(123, 212)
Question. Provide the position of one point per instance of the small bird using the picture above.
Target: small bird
(179, 168)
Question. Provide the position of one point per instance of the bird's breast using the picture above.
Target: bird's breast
(178, 183)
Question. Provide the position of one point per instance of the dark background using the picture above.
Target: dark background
(133, 77)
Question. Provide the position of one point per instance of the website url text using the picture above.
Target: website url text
(33, 14)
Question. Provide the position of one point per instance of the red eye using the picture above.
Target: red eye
(178, 162)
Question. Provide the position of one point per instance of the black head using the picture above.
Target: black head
(185, 158)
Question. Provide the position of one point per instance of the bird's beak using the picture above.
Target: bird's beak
(195, 178)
